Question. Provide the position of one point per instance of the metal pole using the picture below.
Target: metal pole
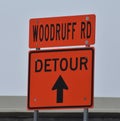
(35, 115)
(35, 118)
(85, 115)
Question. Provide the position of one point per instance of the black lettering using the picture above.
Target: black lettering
(55, 63)
(35, 32)
(73, 29)
(38, 65)
(63, 64)
(68, 30)
(83, 30)
(52, 31)
(88, 29)
(73, 63)
(41, 32)
(83, 62)
(46, 32)
(63, 31)
(46, 64)
(57, 31)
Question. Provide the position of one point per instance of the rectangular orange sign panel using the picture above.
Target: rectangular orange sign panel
(61, 78)
(62, 31)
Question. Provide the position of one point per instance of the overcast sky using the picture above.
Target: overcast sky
(14, 31)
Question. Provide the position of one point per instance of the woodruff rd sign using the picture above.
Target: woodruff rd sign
(61, 31)
(61, 78)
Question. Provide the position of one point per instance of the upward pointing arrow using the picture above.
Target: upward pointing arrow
(59, 86)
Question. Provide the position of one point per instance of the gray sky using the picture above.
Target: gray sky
(14, 29)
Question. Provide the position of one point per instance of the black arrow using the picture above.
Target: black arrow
(59, 86)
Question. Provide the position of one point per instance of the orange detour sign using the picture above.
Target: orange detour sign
(61, 31)
(61, 78)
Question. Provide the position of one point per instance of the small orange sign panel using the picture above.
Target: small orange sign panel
(62, 31)
(61, 78)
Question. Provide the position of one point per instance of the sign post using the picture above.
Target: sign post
(35, 115)
(36, 112)
(86, 110)
(85, 114)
